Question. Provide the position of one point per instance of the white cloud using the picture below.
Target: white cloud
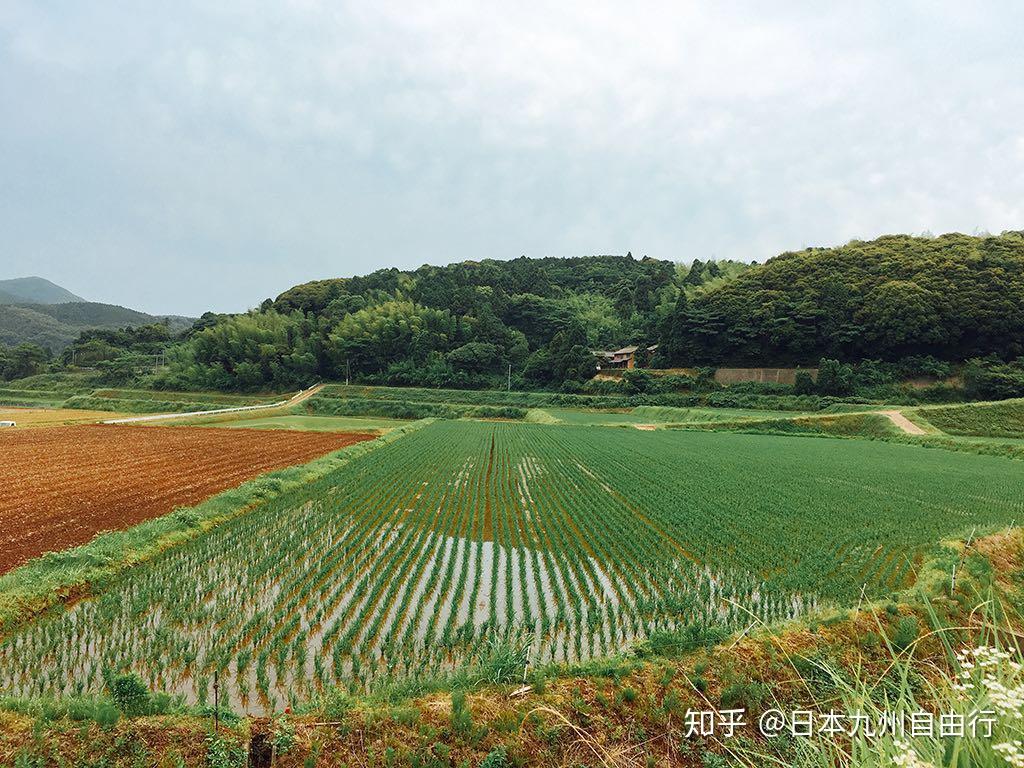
(303, 138)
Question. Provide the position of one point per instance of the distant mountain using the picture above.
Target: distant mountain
(34, 290)
(37, 311)
(57, 325)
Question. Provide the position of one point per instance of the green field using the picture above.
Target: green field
(317, 424)
(45, 390)
(1000, 419)
(30, 398)
(560, 543)
(650, 414)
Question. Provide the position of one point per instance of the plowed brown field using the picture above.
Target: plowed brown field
(59, 487)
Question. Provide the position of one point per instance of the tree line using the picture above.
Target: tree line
(478, 324)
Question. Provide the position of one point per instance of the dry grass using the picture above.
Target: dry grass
(53, 417)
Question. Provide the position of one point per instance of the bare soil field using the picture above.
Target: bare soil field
(62, 486)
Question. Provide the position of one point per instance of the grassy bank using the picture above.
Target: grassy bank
(323, 405)
(1001, 419)
(868, 425)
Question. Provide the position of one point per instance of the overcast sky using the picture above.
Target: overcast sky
(179, 157)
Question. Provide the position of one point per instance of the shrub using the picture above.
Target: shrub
(834, 378)
(223, 753)
(282, 735)
(505, 662)
(106, 715)
(747, 695)
(462, 718)
(804, 384)
(990, 379)
(676, 642)
(130, 694)
(904, 632)
(496, 758)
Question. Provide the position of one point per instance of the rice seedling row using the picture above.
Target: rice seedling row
(561, 542)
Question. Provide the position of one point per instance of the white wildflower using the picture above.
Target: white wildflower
(1012, 752)
(906, 756)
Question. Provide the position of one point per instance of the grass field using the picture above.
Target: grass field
(29, 398)
(466, 540)
(316, 423)
(81, 391)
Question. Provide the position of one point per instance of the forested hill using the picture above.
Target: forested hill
(457, 325)
(467, 286)
(952, 297)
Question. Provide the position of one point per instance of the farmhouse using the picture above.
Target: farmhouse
(621, 358)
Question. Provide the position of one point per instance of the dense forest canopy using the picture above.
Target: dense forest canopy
(461, 325)
(953, 297)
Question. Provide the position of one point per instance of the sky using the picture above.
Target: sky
(184, 157)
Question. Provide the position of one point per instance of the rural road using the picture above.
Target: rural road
(299, 397)
(304, 395)
(903, 422)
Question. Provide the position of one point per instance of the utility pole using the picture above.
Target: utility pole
(510, 377)
(216, 702)
(348, 372)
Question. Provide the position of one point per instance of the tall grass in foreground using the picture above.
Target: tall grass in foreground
(968, 704)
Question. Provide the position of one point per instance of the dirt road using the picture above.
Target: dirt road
(903, 422)
(299, 397)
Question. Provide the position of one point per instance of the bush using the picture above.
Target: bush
(506, 662)
(336, 704)
(990, 379)
(496, 758)
(834, 378)
(106, 715)
(904, 632)
(676, 642)
(129, 693)
(462, 718)
(804, 384)
(282, 735)
(748, 695)
(223, 753)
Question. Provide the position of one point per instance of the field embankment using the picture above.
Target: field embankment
(316, 423)
(327, 405)
(834, 425)
(999, 419)
(158, 401)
